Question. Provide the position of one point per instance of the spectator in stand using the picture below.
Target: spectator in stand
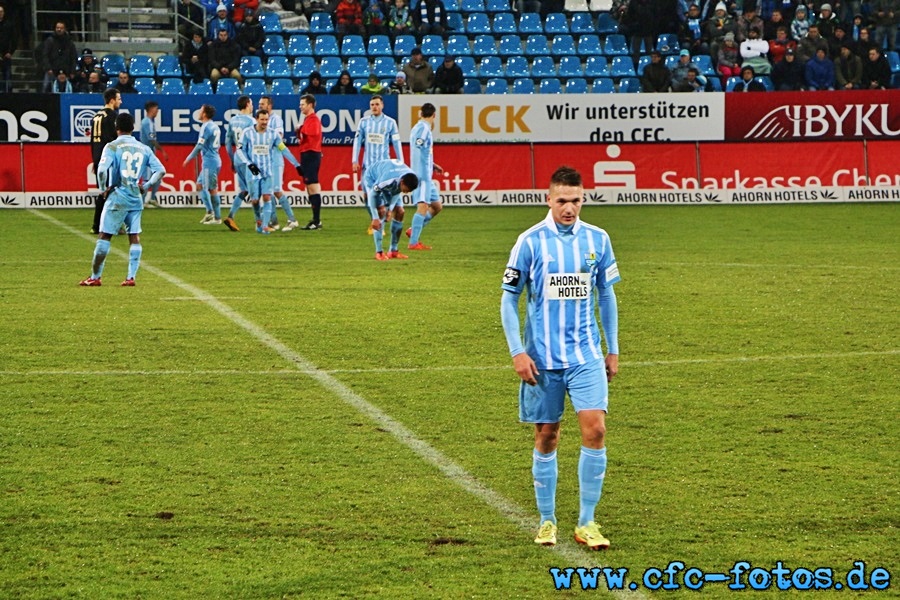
(7, 48)
(767, 8)
(240, 8)
(57, 53)
(856, 27)
(681, 81)
(399, 85)
(753, 54)
(62, 85)
(344, 85)
(375, 18)
(885, 15)
(448, 79)
(195, 58)
(224, 58)
(656, 77)
(876, 73)
(251, 37)
(800, 25)
(812, 43)
(864, 44)
(85, 66)
(691, 35)
(373, 86)
(837, 41)
(190, 16)
(771, 25)
(848, 69)
(788, 75)
(748, 83)
(400, 21)
(93, 85)
(348, 18)
(642, 24)
(717, 28)
(729, 59)
(693, 82)
(780, 45)
(820, 72)
(218, 23)
(419, 73)
(314, 86)
(124, 83)
(826, 21)
(430, 17)
(748, 22)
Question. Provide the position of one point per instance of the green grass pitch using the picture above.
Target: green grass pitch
(200, 435)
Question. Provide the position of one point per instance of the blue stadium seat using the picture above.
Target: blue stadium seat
(403, 45)
(171, 87)
(359, 83)
(228, 87)
(449, 5)
(667, 43)
(471, 86)
(467, 64)
(570, 66)
(603, 85)
(523, 85)
(385, 66)
(550, 85)
(283, 87)
(299, 45)
(732, 81)
(112, 64)
(517, 67)
(606, 25)
(168, 66)
(498, 6)
(331, 66)
(543, 67)
(458, 45)
(353, 45)
(629, 85)
(303, 66)
(556, 23)
(766, 81)
(478, 23)
(274, 45)
(530, 23)
(504, 23)
(671, 61)
(379, 45)
(270, 21)
(435, 62)
(715, 83)
(582, 23)
(563, 45)
(145, 85)
(704, 63)
(255, 87)
(140, 65)
(202, 88)
(894, 63)
(320, 23)
(595, 66)
(643, 61)
(326, 45)
(496, 86)
(490, 67)
(251, 66)
(537, 45)
(576, 85)
(621, 66)
(432, 45)
(455, 22)
(510, 45)
(278, 67)
(471, 6)
(589, 45)
(358, 67)
(484, 45)
(615, 45)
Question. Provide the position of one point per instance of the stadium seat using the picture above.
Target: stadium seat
(563, 45)
(326, 45)
(112, 64)
(471, 86)
(595, 66)
(704, 63)
(299, 45)
(484, 45)
(471, 6)
(478, 23)
(715, 83)
(576, 85)
(283, 87)
(379, 45)
(403, 45)
(731, 82)
(621, 66)
(490, 67)
(449, 5)
(353, 45)
(606, 25)
(168, 66)
(385, 66)
(228, 87)
(455, 22)
(670, 61)
(251, 66)
(270, 22)
(141, 65)
(615, 45)
(582, 23)
(202, 88)
(629, 85)
(667, 43)
(320, 23)
(498, 7)
(274, 46)
(255, 87)
(278, 67)
(543, 67)
(643, 61)
(537, 45)
(510, 45)
(331, 66)
(458, 45)
(589, 45)
(570, 66)
(432, 45)
(766, 81)
(303, 66)
(435, 62)
(603, 85)
(496, 86)
(523, 85)
(550, 85)
(145, 85)
(467, 64)
(171, 87)
(556, 23)
(504, 23)
(530, 23)
(358, 67)
(517, 67)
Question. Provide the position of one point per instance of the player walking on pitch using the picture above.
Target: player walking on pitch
(234, 135)
(148, 138)
(208, 180)
(421, 160)
(565, 266)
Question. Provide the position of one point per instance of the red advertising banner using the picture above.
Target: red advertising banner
(784, 116)
(884, 162)
(10, 168)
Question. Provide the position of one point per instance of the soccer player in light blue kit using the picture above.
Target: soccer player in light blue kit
(122, 164)
(421, 160)
(208, 180)
(234, 135)
(567, 269)
(257, 151)
(148, 138)
(376, 134)
(276, 124)
(383, 182)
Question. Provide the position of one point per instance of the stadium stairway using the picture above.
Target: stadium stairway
(150, 23)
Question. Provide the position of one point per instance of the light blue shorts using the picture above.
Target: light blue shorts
(112, 218)
(208, 179)
(544, 402)
(383, 199)
(242, 178)
(426, 192)
(260, 186)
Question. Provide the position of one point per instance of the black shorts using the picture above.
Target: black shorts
(309, 164)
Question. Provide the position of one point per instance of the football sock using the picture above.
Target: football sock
(134, 259)
(378, 235)
(591, 471)
(315, 201)
(428, 217)
(285, 204)
(418, 222)
(238, 200)
(266, 210)
(217, 205)
(257, 211)
(204, 198)
(544, 469)
(396, 230)
(101, 249)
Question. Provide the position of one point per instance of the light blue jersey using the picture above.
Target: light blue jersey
(376, 136)
(148, 133)
(381, 182)
(123, 165)
(261, 148)
(277, 125)
(208, 146)
(561, 272)
(421, 161)
(234, 135)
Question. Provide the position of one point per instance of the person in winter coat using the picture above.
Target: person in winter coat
(848, 69)
(656, 78)
(344, 85)
(820, 72)
(314, 86)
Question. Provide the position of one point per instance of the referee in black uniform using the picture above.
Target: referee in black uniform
(103, 131)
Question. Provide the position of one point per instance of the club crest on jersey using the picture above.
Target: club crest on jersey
(590, 259)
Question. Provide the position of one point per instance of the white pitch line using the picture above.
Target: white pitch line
(575, 556)
(765, 266)
(191, 298)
